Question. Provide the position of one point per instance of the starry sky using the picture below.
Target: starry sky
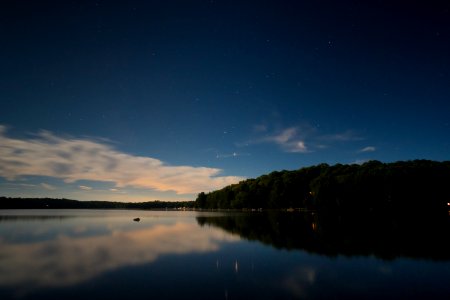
(144, 100)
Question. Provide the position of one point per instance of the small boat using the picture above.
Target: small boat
(136, 219)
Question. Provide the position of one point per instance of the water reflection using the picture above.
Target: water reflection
(11, 218)
(66, 259)
(386, 237)
(167, 255)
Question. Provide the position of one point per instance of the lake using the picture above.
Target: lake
(105, 254)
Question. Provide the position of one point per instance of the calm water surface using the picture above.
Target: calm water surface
(95, 254)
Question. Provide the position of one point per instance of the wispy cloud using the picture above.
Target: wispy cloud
(73, 159)
(289, 140)
(345, 136)
(48, 186)
(368, 149)
(302, 139)
(25, 185)
(85, 188)
(284, 136)
(299, 147)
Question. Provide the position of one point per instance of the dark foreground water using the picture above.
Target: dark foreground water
(104, 254)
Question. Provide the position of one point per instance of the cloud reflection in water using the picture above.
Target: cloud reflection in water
(67, 260)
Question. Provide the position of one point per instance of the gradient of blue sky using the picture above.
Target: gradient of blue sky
(226, 89)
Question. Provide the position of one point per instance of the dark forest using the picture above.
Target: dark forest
(375, 187)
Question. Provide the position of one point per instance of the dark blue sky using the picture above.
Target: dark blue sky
(214, 91)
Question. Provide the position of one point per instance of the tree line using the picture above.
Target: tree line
(406, 186)
(50, 203)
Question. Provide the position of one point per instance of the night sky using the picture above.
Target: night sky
(145, 100)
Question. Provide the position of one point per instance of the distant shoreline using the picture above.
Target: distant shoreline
(52, 203)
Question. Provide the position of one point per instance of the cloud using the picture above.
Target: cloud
(302, 139)
(284, 136)
(299, 147)
(118, 191)
(73, 159)
(345, 136)
(289, 139)
(33, 265)
(368, 149)
(86, 188)
(47, 186)
(25, 185)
